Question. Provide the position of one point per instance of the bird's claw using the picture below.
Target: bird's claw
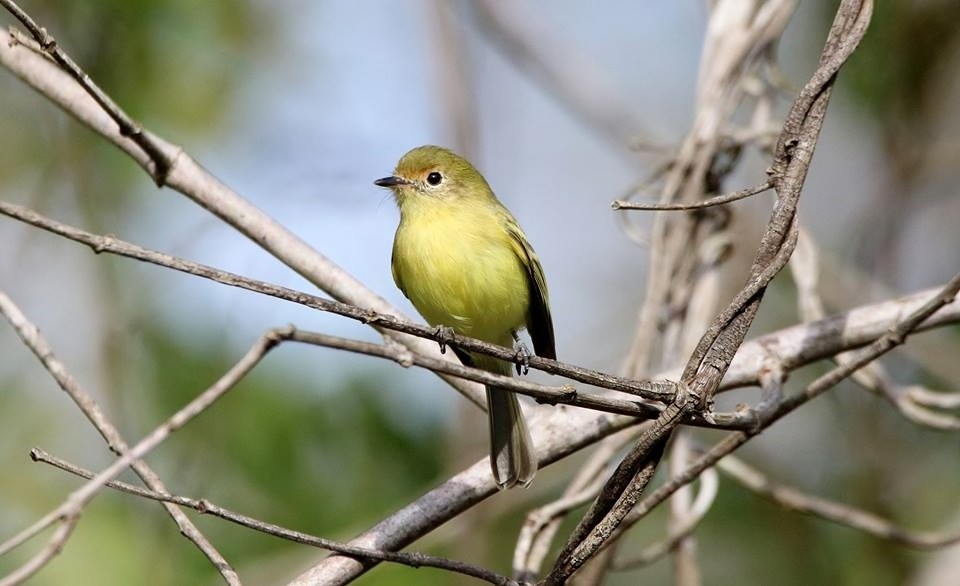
(444, 336)
(522, 359)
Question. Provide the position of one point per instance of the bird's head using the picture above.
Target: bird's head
(435, 172)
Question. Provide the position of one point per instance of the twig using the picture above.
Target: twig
(561, 431)
(704, 500)
(873, 377)
(188, 177)
(30, 335)
(542, 523)
(412, 559)
(160, 158)
(842, 514)
(929, 398)
(565, 395)
(619, 494)
(69, 511)
(895, 336)
(685, 513)
(655, 390)
(621, 204)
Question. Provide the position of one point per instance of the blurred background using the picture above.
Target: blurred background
(299, 106)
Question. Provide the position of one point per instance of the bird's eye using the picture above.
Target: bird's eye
(434, 178)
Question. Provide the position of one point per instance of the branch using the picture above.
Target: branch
(712, 357)
(412, 559)
(30, 335)
(187, 176)
(561, 431)
(655, 551)
(566, 395)
(895, 335)
(656, 390)
(69, 511)
(796, 500)
(717, 200)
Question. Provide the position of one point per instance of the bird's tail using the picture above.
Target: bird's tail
(511, 449)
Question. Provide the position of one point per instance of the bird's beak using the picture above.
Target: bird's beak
(391, 181)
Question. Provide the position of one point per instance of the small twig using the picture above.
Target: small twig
(895, 336)
(658, 206)
(565, 395)
(654, 390)
(704, 500)
(412, 559)
(683, 517)
(805, 268)
(619, 494)
(128, 128)
(30, 335)
(842, 514)
(923, 396)
(69, 511)
(542, 523)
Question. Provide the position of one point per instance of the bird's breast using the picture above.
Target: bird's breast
(459, 269)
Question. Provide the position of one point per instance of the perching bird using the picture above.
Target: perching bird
(464, 263)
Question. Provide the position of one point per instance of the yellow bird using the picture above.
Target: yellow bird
(463, 261)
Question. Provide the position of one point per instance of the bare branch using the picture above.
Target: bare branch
(566, 395)
(69, 511)
(30, 335)
(412, 559)
(562, 431)
(709, 486)
(895, 335)
(541, 524)
(655, 390)
(796, 500)
(188, 177)
(717, 200)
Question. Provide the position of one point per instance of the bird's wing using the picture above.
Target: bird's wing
(396, 273)
(539, 323)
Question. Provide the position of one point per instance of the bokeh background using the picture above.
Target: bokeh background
(299, 105)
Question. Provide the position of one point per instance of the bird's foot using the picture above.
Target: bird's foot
(445, 336)
(522, 358)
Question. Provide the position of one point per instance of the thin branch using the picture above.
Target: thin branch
(842, 514)
(542, 523)
(412, 559)
(619, 494)
(805, 268)
(566, 395)
(658, 206)
(709, 487)
(188, 177)
(160, 158)
(940, 400)
(69, 511)
(655, 390)
(896, 335)
(30, 335)
(560, 431)
(685, 513)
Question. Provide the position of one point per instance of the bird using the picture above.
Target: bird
(465, 264)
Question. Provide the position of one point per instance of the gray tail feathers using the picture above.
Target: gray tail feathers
(511, 449)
